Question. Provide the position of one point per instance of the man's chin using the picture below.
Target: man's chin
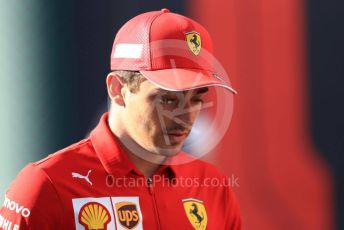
(168, 151)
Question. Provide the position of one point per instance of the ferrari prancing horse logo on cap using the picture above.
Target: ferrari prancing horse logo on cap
(194, 42)
(196, 213)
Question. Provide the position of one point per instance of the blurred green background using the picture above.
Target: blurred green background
(37, 87)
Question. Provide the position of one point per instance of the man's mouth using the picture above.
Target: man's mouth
(177, 137)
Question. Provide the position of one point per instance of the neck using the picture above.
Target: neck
(146, 167)
(146, 162)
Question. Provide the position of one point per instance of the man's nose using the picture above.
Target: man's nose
(186, 112)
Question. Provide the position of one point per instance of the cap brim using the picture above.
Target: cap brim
(178, 79)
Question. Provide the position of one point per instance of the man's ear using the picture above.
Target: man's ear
(114, 87)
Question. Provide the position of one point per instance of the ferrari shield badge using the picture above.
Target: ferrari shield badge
(194, 42)
(196, 213)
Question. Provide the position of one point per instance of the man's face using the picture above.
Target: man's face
(160, 120)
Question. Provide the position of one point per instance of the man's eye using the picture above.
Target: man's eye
(168, 101)
(198, 100)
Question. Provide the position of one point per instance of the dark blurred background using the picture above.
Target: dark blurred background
(285, 58)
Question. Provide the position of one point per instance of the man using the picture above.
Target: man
(131, 173)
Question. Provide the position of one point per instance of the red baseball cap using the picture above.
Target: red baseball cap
(172, 51)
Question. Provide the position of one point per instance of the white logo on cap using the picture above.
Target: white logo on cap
(123, 50)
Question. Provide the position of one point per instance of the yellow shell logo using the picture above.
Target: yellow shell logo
(194, 42)
(93, 216)
(196, 213)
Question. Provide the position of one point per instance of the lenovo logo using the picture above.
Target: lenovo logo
(14, 206)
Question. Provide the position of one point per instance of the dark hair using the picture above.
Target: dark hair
(132, 78)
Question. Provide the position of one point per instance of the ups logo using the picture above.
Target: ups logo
(128, 215)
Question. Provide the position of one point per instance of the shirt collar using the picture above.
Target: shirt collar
(113, 158)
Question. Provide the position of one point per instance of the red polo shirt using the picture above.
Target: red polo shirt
(93, 185)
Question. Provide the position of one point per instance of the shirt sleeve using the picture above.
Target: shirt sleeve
(31, 202)
(233, 211)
